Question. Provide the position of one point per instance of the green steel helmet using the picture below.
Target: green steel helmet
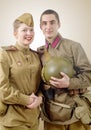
(56, 65)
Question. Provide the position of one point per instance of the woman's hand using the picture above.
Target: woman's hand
(37, 100)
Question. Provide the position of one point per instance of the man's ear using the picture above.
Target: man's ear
(40, 26)
(59, 25)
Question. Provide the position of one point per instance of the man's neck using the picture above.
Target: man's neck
(53, 42)
(50, 40)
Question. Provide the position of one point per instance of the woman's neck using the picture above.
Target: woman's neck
(23, 46)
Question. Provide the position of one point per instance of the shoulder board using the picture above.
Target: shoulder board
(41, 49)
(9, 48)
(33, 50)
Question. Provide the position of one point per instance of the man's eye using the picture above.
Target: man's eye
(52, 22)
(44, 23)
(24, 30)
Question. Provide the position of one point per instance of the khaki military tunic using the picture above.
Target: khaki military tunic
(74, 52)
(19, 76)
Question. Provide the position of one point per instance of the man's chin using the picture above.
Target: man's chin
(49, 37)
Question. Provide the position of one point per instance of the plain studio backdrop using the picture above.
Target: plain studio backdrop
(75, 16)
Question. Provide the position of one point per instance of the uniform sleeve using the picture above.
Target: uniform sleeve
(8, 93)
(82, 65)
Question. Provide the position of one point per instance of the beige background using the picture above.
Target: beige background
(75, 16)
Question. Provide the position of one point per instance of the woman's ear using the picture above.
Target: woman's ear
(14, 33)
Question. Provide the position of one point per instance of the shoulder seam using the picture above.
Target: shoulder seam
(9, 48)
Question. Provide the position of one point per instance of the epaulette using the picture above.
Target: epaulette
(33, 50)
(9, 48)
(41, 49)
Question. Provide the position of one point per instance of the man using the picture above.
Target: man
(62, 95)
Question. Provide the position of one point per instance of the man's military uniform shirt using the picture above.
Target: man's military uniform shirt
(73, 52)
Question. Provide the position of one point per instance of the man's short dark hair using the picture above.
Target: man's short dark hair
(50, 11)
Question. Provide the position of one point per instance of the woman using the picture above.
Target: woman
(20, 69)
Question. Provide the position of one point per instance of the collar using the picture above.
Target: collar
(54, 43)
(21, 48)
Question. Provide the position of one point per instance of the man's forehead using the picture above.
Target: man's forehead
(48, 17)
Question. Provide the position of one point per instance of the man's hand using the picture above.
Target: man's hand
(60, 83)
